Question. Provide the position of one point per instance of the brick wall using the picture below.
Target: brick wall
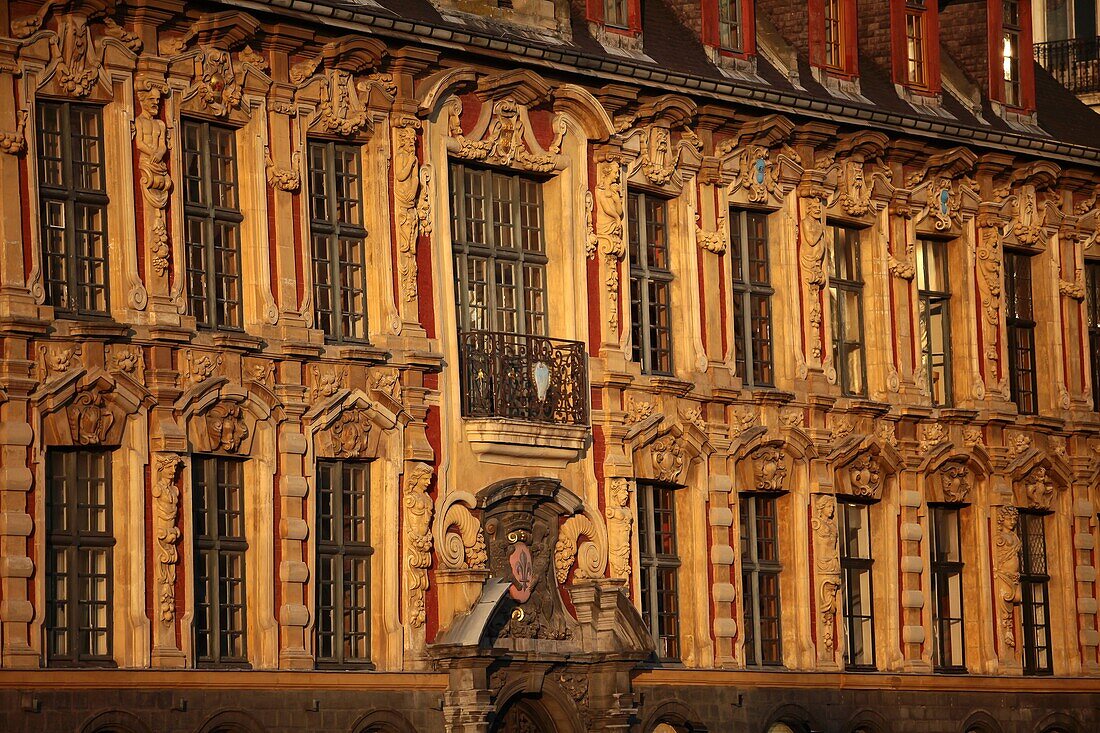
(963, 37)
(874, 31)
(690, 13)
(791, 19)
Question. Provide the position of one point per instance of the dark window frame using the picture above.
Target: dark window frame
(916, 64)
(850, 567)
(942, 570)
(657, 565)
(616, 14)
(1020, 326)
(212, 511)
(64, 473)
(1012, 34)
(756, 571)
(833, 36)
(1035, 594)
(212, 212)
(528, 320)
(748, 294)
(332, 191)
(648, 278)
(731, 26)
(334, 545)
(930, 298)
(74, 258)
(1092, 313)
(840, 316)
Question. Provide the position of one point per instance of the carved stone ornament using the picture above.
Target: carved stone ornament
(714, 241)
(589, 555)
(89, 415)
(757, 174)
(1030, 218)
(638, 410)
(463, 545)
(667, 456)
(151, 139)
(855, 190)
(826, 566)
(1075, 288)
(658, 162)
(1020, 444)
(607, 236)
(349, 435)
(620, 520)
(903, 267)
(199, 366)
(418, 538)
(505, 141)
(1006, 569)
(412, 199)
(886, 432)
(769, 470)
(842, 426)
(327, 383)
(58, 358)
(954, 482)
(1039, 489)
(283, 179)
(15, 143)
(989, 281)
(972, 437)
(166, 497)
(865, 476)
(931, 436)
(225, 427)
(812, 257)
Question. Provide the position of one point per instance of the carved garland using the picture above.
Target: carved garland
(504, 142)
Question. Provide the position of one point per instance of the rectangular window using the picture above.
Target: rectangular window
(1010, 51)
(343, 563)
(1092, 296)
(752, 297)
(220, 546)
(1034, 588)
(846, 307)
(914, 43)
(650, 283)
(730, 25)
(834, 58)
(79, 546)
(338, 240)
(934, 294)
(857, 563)
(616, 13)
(499, 251)
(212, 219)
(658, 564)
(760, 570)
(1020, 321)
(73, 202)
(947, 579)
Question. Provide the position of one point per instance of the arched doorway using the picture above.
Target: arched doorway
(524, 715)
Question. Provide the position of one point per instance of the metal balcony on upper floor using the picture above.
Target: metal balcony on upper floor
(523, 377)
(1074, 62)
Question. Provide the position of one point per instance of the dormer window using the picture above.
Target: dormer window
(915, 36)
(730, 26)
(832, 34)
(915, 72)
(616, 13)
(1012, 31)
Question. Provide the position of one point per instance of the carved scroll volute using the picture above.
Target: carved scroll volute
(463, 540)
(418, 538)
(1006, 569)
(412, 199)
(166, 497)
(590, 555)
(620, 521)
(826, 571)
(606, 234)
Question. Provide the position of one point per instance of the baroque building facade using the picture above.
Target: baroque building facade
(625, 366)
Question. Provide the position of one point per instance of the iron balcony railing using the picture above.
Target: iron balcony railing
(1075, 63)
(523, 377)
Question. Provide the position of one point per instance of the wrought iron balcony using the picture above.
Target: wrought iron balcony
(1074, 62)
(523, 377)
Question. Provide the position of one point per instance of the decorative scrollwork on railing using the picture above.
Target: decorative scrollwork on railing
(523, 377)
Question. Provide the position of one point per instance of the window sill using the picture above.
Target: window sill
(503, 441)
(236, 340)
(92, 327)
(358, 352)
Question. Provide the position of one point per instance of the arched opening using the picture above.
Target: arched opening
(524, 715)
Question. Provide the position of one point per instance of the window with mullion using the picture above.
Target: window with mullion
(616, 13)
(760, 569)
(914, 43)
(338, 240)
(857, 564)
(650, 283)
(220, 547)
(73, 208)
(658, 565)
(1020, 322)
(499, 249)
(947, 588)
(79, 548)
(730, 25)
(934, 294)
(343, 564)
(1092, 296)
(752, 293)
(1035, 594)
(1010, 51)
(212, 225)
(834, 57)
(846, 307)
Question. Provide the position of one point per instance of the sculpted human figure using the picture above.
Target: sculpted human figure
(151, 138)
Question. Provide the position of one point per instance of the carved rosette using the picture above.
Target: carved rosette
(826, 566)
(1006, 569)
(620, 520)
(167, 535)
(418, 538)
